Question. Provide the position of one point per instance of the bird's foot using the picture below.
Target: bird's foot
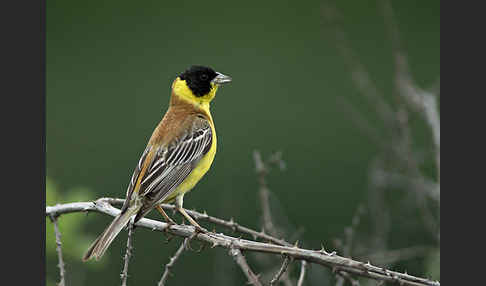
(199, 229)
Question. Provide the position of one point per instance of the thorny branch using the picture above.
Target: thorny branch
(282, 270)
(241, 261)
(262, 169)
(62, 271)
(347, 246)
(319, 257)
(173, 259)
(128, 254)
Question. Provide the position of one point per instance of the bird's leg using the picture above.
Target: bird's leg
(178, 205)
(166, 217)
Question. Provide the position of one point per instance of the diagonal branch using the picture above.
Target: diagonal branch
(347, 277)
(311, 256)
(282, 270)
(241, 261)
(62, 271)
(173, 259)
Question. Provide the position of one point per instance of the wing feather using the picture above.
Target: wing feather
(133, 180)
(170, 164)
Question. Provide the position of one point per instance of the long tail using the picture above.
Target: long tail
(99, 246)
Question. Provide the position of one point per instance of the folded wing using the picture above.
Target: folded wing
(170, 165)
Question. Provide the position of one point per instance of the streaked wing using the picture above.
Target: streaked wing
(172, 163)
(135, 175)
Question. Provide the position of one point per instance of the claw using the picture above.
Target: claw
(199, 229)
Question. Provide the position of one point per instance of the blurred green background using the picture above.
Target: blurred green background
(109, 69)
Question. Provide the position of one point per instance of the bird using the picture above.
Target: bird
(178, 154)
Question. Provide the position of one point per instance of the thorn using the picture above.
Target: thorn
(214, 244)
(325, 252)
(296, 244)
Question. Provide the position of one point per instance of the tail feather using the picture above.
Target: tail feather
(99, 246)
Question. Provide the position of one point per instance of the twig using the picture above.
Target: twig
(312, 256)
(282, 270)
(173, 259)
(262, 170)
(241, 261)
(303, 264)
(346, 276)
(128, 254)
(349, 233)
(62, 271)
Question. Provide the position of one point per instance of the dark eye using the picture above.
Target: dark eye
(204, 76)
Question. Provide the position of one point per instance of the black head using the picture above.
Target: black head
(198, 79)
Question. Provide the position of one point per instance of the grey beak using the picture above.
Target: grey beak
(221, 78)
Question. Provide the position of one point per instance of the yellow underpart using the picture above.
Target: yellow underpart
(180, 89)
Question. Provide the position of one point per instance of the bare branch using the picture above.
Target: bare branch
(173, 259)
(262, 170)
(303, 265)
(282, 270)
(128, 254)
(346, 276)
(241, 261)
(347, 247)
(312, 256)
(229, 224)
(62, 271)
